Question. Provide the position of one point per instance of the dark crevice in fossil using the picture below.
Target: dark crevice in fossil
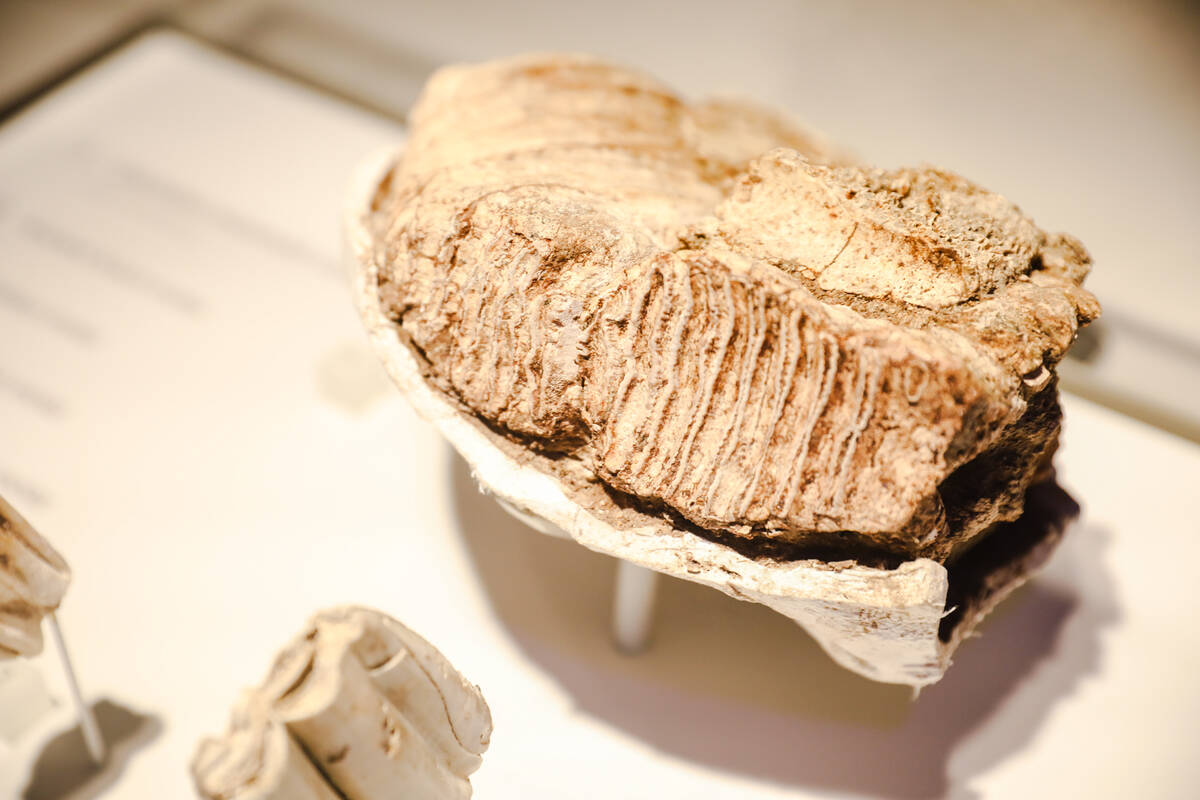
(994, 480)
(996, 563)
(998, 559)
(756, 544)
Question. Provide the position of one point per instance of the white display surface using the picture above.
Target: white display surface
(190, 412)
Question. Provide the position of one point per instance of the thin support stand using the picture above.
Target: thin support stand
(633, 606)
(87, 720)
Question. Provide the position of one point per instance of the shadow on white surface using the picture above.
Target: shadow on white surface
(736, 687)
(65, 771)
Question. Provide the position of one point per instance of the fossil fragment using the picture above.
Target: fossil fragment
(33, 580)
(357, 707)
(692, 336)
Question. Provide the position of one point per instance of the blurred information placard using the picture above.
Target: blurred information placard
(189, 411)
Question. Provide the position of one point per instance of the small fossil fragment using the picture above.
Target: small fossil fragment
(357, 707)
(708, 330)
(33, 580)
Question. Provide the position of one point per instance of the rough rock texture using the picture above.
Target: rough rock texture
(357, 707)
(705, 314)
(33, 580)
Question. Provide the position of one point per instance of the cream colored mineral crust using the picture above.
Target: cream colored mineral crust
(692, 336)
(33, 580)
(358, 707)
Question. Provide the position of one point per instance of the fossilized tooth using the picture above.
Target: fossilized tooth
(257, 760)
(357, 707)
(777, 372)
(33, 580)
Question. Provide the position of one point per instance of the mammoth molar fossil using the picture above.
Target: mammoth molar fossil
(695, 337)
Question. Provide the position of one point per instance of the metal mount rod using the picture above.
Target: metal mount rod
(87, 719)
(633, 606)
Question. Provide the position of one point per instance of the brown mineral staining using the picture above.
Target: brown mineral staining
(721, 319)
